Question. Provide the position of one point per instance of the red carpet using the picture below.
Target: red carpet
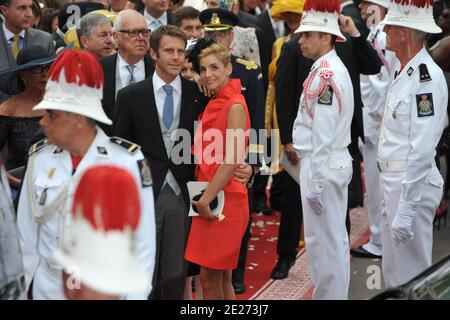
(262, 257)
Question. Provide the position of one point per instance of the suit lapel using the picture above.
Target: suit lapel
(150, 112)
(4, 52)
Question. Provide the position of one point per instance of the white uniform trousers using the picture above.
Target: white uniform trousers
(327, 243)
(373, 189)
(47, 283)
(403, 262)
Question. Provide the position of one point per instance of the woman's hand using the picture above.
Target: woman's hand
(203, 209)
(243, 173)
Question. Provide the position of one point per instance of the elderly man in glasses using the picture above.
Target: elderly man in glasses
(131, 63)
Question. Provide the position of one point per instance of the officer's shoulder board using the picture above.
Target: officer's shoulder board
(38, 146)
(424, 74)
(249, 65)
(129, 146)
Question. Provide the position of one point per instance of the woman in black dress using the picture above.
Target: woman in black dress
(25, 83)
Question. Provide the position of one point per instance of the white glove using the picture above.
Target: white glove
(315, 201)
(402, 224)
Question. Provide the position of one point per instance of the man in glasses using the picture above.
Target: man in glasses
(131, 63)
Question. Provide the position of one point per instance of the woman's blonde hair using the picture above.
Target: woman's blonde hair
(219, 51)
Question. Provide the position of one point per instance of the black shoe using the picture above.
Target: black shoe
(238, 288)
(281, 270)
(363, 253)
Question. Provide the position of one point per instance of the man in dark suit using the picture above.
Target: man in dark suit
(156, 13)
(15, 33)
(151, 113)
(143, 116)
(130, 63)
(359, 58)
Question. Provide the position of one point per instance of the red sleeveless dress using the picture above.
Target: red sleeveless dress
(215, 244)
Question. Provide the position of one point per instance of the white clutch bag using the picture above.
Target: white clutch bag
(196, 189)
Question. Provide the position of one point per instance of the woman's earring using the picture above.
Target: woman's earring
(24, 81)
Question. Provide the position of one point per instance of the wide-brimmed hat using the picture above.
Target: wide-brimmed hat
(321, 16)
(281, 6)
(413, 14)
(27, 58)
(99, 246)
(75, 85)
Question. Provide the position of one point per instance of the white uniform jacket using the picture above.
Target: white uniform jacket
(322, 126)
(415, 116)
(45, 205)
(374, 88)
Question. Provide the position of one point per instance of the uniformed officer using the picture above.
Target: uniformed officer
(12, 281)
(321, 135)
(414, 118)
(98, 251)
(373, 92)
(74, 143)
(218, 25)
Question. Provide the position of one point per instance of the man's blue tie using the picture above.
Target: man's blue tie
(168, 106)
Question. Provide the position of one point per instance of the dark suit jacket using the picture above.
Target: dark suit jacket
(263, 21)
(356, 54)
(136, 119)
(33, 37)
(109, 89)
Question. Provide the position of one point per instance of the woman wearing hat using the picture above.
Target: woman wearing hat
(18, 122)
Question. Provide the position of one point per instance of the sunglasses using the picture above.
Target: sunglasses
(39, 69)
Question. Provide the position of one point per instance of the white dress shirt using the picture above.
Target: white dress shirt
(9, 35)
(160, 95)
(151, 20)
(123, 75)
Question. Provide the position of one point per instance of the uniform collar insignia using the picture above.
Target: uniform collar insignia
(102, 150)
(410, 71)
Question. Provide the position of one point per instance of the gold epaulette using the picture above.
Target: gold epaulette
(249, 65)
(129, 146)
(37, 146)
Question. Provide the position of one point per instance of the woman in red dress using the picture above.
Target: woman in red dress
(214, 244)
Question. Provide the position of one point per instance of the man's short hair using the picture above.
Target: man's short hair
(333, 38)
(88, 22)
(182, 13)
(168, 30)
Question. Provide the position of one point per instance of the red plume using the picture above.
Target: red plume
(323, 6)
(79, 67)
(108, 198)
(416, 3)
